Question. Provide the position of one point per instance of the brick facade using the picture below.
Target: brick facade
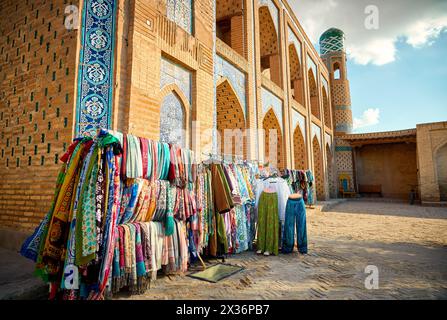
(272, 71)
(39, 63)
(37, 95)
(432, 161)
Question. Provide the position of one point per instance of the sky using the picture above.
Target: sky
(396, 50)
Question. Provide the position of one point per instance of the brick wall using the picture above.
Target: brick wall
(392, 166)
(37, 81)
(38, 62)
(431, 141)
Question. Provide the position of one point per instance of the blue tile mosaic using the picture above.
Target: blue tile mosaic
(328, 139)
(173, 73)
(343, 148)
(316, 131)
(311, 65)
(95, 87)
(172, 118)
(269, 100)
(293, 39)
(180, 11)
(299, 120)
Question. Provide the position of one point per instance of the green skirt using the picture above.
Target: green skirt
(268, 223)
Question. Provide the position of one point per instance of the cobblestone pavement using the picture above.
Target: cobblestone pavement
(408, 244)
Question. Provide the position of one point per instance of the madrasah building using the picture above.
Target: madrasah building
(147, 67)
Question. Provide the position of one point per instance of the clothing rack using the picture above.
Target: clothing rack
(238, 159)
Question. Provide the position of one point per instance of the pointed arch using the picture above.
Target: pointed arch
(269, 46)
(227, 82)
(230, 24)
(176, 89)
(296, 79)
(318, 168)
(313, 89)
(174, 120)
(271, 127)
(326, 109)
(299, 149)
(230, 118)
(336, 71)
(294, 63)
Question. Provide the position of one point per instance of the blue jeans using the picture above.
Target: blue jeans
(295, 218)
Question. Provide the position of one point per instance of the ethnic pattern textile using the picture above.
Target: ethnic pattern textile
(127, 207)
(97, 56)
(231, 227)
(301, 181)
(268, 223)
(30, 248)
(55, 242)
(242, 233)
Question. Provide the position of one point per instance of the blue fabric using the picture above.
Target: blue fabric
(30, 248)
(295, 219)
(345, 185)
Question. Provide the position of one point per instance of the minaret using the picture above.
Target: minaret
(332, 50)
(333, 54)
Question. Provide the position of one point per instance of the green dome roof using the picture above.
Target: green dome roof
(332, 32)
(332, 40)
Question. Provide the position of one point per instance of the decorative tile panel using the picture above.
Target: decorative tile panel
(332, 40)
(172, 118)
(95, 86)
(316, 130)
(293, 39)
(269, 100)
(180, 11)
(223, 68)
(173, 73)
(325, 84)
(311, 65)
(343, 148)
(328, 139)
(298, 119)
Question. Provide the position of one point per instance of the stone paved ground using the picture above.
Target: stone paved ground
(408, 244)
(16, 278)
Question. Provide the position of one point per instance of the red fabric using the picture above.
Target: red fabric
(171, 175)
(87, 147)
(69, 152)
(144, 155)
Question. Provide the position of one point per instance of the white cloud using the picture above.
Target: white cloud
(417, 22)
(369, 118)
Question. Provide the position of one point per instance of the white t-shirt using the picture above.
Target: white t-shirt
(279, 186)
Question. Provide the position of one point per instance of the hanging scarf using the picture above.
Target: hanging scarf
(71, 243)
(30, 248)
(86, 214)
(56, 239)
(144, 156)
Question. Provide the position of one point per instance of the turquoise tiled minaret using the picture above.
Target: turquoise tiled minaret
(332, 50)
(333, 53)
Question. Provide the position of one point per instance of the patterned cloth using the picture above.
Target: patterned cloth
(268, 223)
